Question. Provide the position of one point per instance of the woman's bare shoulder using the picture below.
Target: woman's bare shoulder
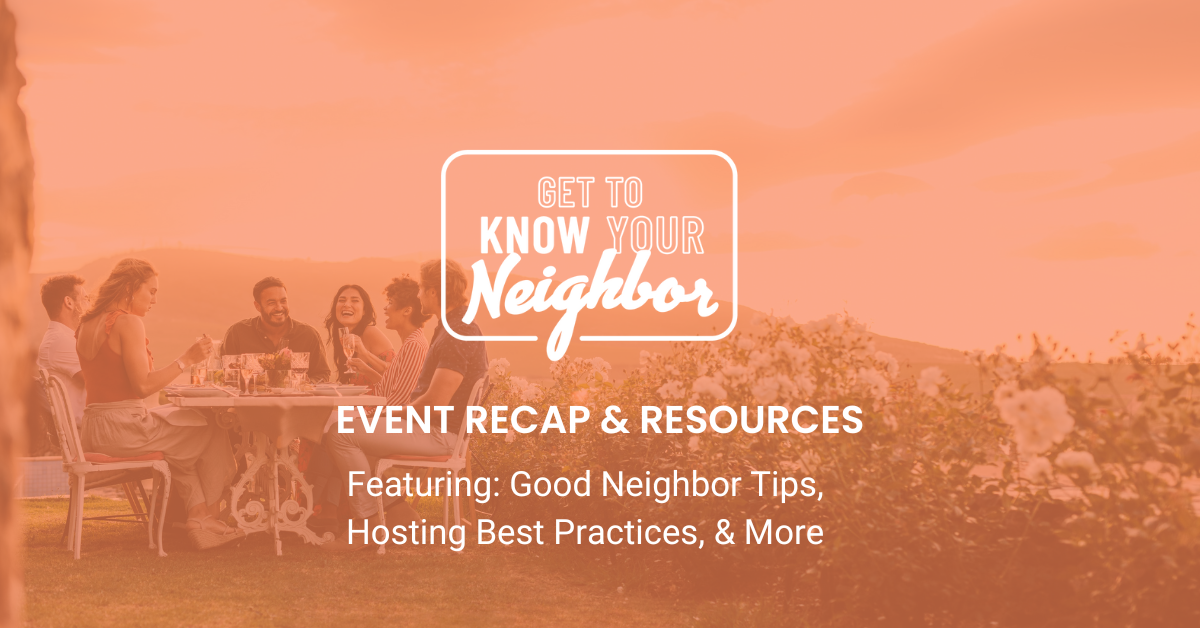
(376, 340)
(128, 323)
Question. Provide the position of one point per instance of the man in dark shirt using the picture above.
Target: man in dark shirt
(461, 362)
(273, 329)
(451, 368)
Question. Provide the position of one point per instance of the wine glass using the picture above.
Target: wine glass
(250, 368)
(347, 348)
(300, 364)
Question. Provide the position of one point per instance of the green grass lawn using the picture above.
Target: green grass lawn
(118, 581)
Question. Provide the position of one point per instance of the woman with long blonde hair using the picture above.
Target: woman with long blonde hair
(118, 373)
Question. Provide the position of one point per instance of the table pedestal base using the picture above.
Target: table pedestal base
(288, 515)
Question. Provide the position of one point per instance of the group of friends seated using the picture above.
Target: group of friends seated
(98, 349)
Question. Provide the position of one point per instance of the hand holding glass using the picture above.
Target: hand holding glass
(347, 347)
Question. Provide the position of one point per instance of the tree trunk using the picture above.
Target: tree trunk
(16, 185)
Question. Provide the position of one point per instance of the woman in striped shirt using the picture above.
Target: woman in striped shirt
(396, 379)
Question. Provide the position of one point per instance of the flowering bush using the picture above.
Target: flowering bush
(1037, 498)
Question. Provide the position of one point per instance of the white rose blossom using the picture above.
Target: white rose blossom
(930, 380)
(1078, 461)
(875, 382)
(707, 385)
(798, 356)
(671, 390)
(760, 359)
(735, 371)
(1039, 417)
(531, 393)
(525, 391)
(892, 366)
(766, 390)
(498, 367)
(1039, 470)
(804, 384)
(818, 326)
(601, 367)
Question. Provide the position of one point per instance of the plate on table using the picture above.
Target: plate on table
(340, 391)
(196, 392)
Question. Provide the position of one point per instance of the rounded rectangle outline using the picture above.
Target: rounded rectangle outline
(713, 153)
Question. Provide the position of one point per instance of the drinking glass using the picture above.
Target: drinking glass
(232, 365)
(216, 354)
(347, 348)
(250, 368)
(300, 362)
(199, 374)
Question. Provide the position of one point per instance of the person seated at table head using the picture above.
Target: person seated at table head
(65, 300)
(274, 329)
(352, 310)
(448, 374)
(118, 373)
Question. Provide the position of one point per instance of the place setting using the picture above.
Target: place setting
(280, 374)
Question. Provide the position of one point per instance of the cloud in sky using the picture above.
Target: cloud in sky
(763, 241)
(1092, 242)
(1173, 159)
(1024, 181)
(454, 31)
(878, 184)
(1032, 64)
(82, 31)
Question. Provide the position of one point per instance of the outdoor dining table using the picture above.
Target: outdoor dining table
(269, 424)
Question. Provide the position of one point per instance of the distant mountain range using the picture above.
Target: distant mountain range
(207, 291)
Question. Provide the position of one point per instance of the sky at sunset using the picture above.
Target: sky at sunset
(950, 172)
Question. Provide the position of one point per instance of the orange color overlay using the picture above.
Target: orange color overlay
(950, 172)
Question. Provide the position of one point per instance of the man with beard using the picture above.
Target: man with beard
(274, 330)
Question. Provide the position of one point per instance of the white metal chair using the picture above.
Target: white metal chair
(103, 471)
(458, 460)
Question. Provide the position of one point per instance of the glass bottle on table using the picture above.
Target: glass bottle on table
(199, 374)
